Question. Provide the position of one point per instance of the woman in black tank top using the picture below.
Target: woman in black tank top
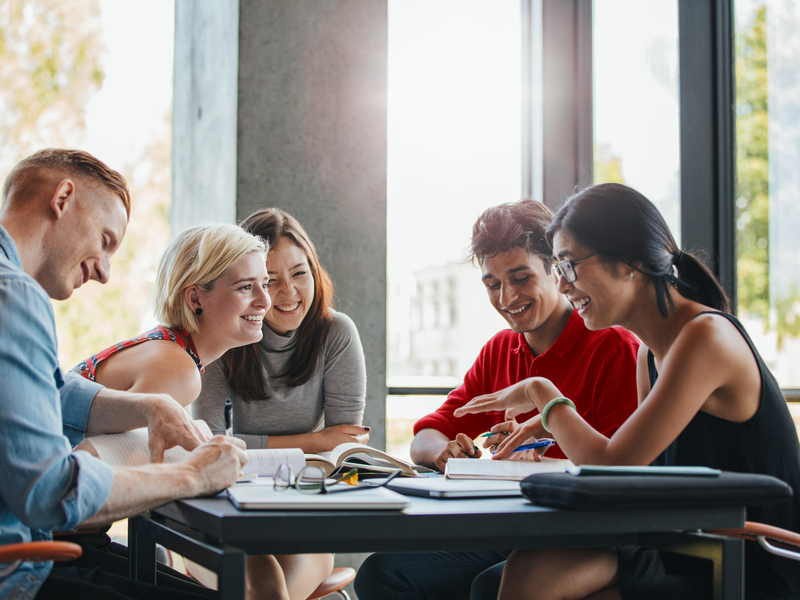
(704, 392)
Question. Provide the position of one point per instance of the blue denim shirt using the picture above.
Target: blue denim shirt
(44, 486)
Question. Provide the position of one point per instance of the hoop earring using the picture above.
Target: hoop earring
(198, 312)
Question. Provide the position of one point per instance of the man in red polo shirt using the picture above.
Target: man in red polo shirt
(595, 369)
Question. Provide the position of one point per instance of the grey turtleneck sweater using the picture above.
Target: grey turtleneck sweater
(333, 396)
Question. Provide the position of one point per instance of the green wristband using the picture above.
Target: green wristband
(550, 405)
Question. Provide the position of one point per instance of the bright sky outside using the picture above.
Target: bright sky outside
(440, 78)
(454, 124)
(636, 95)
(447, 161)
(136, 96)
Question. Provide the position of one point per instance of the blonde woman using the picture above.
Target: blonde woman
(211, 297)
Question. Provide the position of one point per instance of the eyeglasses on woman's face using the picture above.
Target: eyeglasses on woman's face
(312, 480)
(566, 268)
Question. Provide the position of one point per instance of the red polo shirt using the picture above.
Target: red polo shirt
(594, 369)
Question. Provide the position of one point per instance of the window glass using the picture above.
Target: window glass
(768, 193)
(453, 151)
(636, 116)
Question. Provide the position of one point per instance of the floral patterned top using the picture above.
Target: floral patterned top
(88, 367)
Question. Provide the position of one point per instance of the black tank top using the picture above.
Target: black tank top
(768, 444)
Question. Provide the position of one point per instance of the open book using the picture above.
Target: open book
(514, 470)
(363, 457)
(130, 449)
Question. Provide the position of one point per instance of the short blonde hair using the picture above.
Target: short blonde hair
(198, 256)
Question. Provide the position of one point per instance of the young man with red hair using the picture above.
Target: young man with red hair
(547, 337)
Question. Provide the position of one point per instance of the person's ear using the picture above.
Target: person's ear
(63, 198)
(192, 297)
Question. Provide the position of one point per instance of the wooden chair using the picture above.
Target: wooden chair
(334, 584)
(775, 540)
(12, 555)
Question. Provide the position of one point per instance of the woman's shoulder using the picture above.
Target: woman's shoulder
(342, 325)
(710, 324)
(152, 366)
(156, 354)
(712, 333)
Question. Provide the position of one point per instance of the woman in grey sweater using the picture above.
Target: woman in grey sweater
(302, 386)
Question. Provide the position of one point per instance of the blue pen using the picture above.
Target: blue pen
(490, 434)
(540, 444)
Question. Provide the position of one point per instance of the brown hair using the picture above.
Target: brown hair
(30, 172)
(242, 366)
(522, 224)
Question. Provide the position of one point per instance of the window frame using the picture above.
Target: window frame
(557, 136)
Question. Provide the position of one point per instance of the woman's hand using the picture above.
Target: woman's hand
(499, 433)
(524, 433)
(517, 399)
(330, 437)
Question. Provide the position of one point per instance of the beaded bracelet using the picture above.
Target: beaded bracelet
(550, 405)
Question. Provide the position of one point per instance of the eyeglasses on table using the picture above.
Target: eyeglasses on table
(312, 480)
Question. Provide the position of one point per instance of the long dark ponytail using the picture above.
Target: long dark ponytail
(620, 224)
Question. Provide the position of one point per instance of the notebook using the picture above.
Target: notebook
(255, 496)
(513, 470)
(439, 487)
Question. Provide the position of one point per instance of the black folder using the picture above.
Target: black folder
(626, 492)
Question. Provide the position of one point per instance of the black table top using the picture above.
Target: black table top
(431, 524)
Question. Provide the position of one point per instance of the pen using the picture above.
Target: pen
(490, 434)
(540, 444)
(228, 418)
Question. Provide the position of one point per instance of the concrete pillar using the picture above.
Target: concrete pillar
(284, 104)
(204, 136)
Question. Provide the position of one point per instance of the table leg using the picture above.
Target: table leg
(726, 554)
(141, 551)
(231, 577)
(228, 562)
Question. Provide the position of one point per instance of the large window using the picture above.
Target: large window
(636, 112)
(768, 192)
(453, 151)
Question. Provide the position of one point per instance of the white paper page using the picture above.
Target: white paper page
(466, 468)
(265, 462)
(130, 449)
(123, 450)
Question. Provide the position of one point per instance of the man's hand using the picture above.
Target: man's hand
(210, 467)
(217, 464)
(461, 447)
(169, 425)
